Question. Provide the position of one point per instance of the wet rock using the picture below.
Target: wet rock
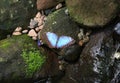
(20, 59)
(116, 32)
(16, 13)
(96, 63)
(93, 13)
(71, 53)
(45, 4)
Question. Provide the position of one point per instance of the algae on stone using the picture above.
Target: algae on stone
(33, 59)
(13, 65)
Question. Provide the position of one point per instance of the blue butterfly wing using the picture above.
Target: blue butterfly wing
(52, 38)
(63, 41)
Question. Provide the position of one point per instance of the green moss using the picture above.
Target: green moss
(4, 44)
(33, 59)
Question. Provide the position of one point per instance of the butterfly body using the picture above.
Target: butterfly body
(55, 41)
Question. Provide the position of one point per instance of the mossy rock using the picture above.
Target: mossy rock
(15, 13)
(93, 12)
(20, 59)
(60, 23)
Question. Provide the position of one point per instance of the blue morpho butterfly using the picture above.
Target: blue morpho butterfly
(58, 42)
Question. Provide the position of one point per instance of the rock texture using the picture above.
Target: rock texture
(60, 24)
(96, 63)
(15, 13)
(45, 4)
(93, 12)
(19, 58)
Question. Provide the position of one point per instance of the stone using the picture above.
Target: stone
(41, 27)
(40, 22)
(19, 58)
(18, 29)
(46, 4)
(32, 33)
(37, 29)
(96, 62)
(25, 31)
(61, 27)
(38, 15)
(34, 38)
(58, 6)
(16, 33)
(93, 13)
(33, 24)
(16, 13)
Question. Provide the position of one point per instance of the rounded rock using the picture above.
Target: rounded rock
(93, 13)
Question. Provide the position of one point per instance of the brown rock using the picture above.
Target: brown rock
(18, 29)
(32, 33)
(16, 33)
(45, 4)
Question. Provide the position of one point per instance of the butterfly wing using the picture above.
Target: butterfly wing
(63, 41)
(52, 38)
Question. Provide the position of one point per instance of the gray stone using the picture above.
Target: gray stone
(15, 13)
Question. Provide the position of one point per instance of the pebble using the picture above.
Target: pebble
(25, 31)
(40, 22)
(81, 43)
(41, 27)
(58, 6)
(18, 29)
(32, 33)
(39, 35)
(38, 15)
(33, 23)
(34, 38)
(42, 17)
(37, 19)
(37, 29)
(16, 33)
(61, 67)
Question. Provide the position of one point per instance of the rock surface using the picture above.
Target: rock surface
(15, 13)
(19, 58)
(94, 12)
(60, 24)
(45, 4)
(96, 63)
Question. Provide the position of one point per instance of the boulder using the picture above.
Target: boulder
(93, 13)
(96, 63)
(20, 59)
(45, 4)
(60, 24)
(16, 13)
